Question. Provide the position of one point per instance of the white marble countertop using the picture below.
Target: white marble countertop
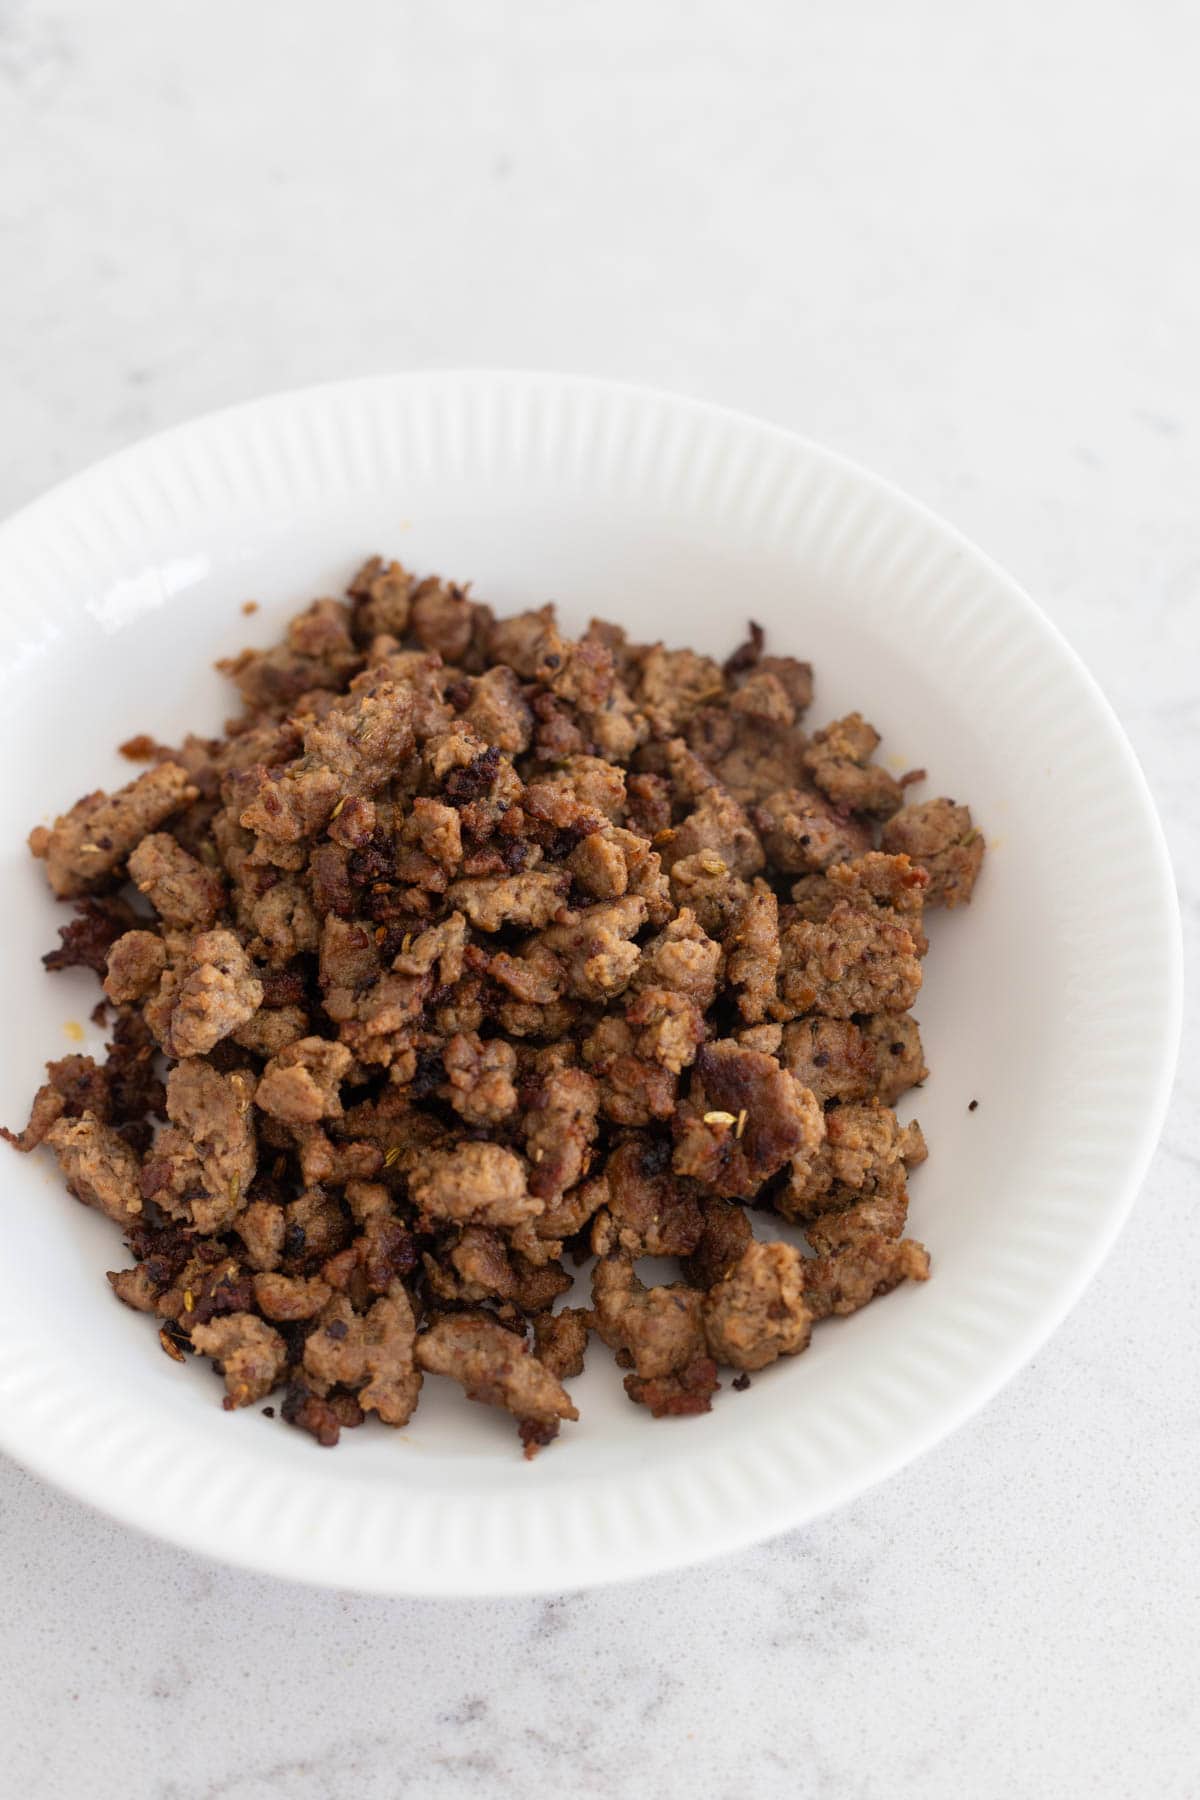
(958, 243)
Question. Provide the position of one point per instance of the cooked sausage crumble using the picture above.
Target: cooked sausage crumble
(472, 951)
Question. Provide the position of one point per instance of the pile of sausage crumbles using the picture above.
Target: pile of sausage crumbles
(472, 952)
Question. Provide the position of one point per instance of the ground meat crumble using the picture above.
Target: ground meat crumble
(470, 952)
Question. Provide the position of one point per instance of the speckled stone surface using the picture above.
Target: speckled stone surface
(959, 244)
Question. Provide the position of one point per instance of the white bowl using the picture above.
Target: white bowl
(1053, 1000)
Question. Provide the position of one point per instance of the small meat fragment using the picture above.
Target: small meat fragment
(86, 846)
(442, 618)
(134, 1287)
(262, 1227)
(583, 677)
(290, 1297)
(393, 1383)
(757, 1313)
(691, 774)
(839, 761)
(743, 1119)
(135, 966)
(939, 836)
(302, 1084)
(720, 827)
(284, 923)
(535, 977)
(633, 1091)
(251, 1355)
(494, 1367)
(345, 753)
(560, 1128)
(862, 1150)
(322, 631)
(352, 825)
(841, 1059)
(183, 892)
(682, 1394)
(682, 959)
(129, 1070)
(322, 1417)
(673, 683)
(598, 785)
(335, 1352)
(525, 642)
(755, 748)
(748, 661)
(99, 1167)
(272, 1029)
(649, 799)
(670, 1028)
(424, 678)
(564, 1218)
(644, 875)
(882, 1213)
(870, 1267)
(710, 888)
(529, 901)
(387, 1248)
(206, 1158)
(479, 1267)
(349, 957)
(893, 884)
(498, 712)
(204, 1288)
(762, 699)
(795, 677)
(330, 886)
(75, 1086)
(647, 1211)
(317, 653)
(802, 831)
(381, 592)
(853, 962)
(368, 1200)
(725, 1234)
(560, 1340)
(474, 1184)
(655, 1331)
(753, 953)
(86, 941)
(595, 948)
(482, 1268)
(599, 867)
(437, 830)
(219, 991)
(316, 1228)
(479, 1078)
(616, 726)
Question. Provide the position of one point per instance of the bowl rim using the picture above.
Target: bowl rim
(22, 1432)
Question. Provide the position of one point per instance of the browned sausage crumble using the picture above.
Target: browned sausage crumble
(471, 948)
